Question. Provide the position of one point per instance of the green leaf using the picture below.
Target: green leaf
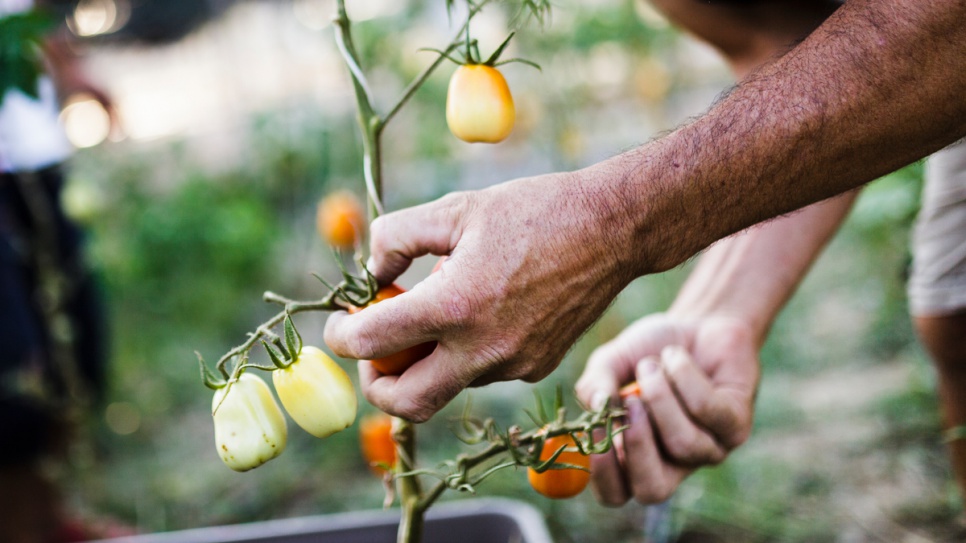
(499, 50)
(21, 61)
(520, 60)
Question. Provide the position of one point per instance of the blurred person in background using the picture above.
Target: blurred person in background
(51, 326)
(831, 95)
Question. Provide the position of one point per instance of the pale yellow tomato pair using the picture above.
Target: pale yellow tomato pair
(250, 428)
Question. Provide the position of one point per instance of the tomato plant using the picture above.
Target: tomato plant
(565, 482)
(376, 442)
(479, 106)
(396, 363)
(316, 392)
(250, 428)
(339, 219)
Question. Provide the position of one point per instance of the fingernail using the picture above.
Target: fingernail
(673, 356)
(649, 376)
(647, 367)
(599, 400)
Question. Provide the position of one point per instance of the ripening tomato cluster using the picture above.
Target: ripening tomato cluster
(250, 428)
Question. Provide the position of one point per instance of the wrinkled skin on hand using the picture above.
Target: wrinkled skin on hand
(698, 379)
(533, 263)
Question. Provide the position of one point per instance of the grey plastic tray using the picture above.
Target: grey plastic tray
(465, 521)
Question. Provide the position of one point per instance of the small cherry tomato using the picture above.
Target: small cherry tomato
(250, 428)
(317, 393)
(561, 483)
(479, 107)
(397, 363)
(375, 440)
(340, 220)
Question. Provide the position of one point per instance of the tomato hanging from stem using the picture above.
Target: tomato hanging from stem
(561, 483)
(479, 106)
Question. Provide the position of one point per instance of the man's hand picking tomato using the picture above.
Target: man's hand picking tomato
(500, 253)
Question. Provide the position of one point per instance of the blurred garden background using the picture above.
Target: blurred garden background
(238, 117)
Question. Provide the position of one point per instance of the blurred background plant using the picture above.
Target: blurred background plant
(238, 118)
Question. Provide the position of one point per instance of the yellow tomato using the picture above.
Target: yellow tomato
(316, 393)
(250, 428)
(479, 107)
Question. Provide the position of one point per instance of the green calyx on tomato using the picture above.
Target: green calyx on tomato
(250, 428)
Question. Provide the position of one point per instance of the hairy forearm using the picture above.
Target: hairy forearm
(879, 85)
(752, 274)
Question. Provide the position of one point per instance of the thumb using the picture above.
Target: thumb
(398, 238)
(420, 391)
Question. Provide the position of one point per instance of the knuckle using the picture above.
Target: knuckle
(683, 447)
(454, 202)
(535, 372)
(413, 410)
(458, 310)
(738, 437)
(652, 494)
(421, 405)
(377, 230)
(611, 500)
(361, 344)
(494, 360)
(655, 394)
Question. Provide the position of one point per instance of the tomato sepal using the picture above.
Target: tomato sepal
(208, 377)
(293, 340)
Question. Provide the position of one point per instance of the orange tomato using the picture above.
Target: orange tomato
(340, 219)
(375, 440)
(561, 483)
(397, 363)
(479, 107)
